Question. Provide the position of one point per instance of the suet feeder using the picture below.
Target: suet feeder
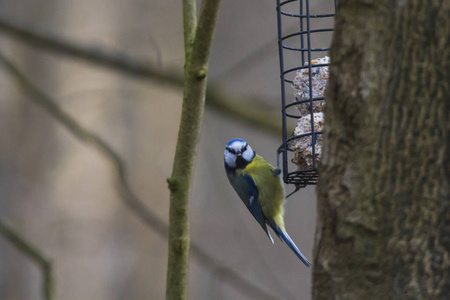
(304, 35)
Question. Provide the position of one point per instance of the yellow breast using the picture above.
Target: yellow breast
(270, 188)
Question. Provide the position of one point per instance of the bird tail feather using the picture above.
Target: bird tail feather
(292, 245)
(270, 237)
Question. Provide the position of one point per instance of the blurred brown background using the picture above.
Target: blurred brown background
(60, 193)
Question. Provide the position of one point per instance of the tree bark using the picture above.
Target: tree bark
(383, 227)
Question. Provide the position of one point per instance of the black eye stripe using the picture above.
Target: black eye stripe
(234, 151)
(231, 150)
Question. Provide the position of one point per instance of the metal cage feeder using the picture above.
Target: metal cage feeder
(298, 30)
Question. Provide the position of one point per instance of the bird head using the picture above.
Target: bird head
(238, 154)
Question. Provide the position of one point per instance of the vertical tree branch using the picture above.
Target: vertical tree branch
(23, 246)
(188, 135)
(189, 27)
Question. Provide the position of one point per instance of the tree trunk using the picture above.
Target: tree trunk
(383, 227)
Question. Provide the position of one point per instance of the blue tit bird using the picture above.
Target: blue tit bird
(261, 189)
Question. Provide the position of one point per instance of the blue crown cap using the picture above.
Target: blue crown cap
(236, 140)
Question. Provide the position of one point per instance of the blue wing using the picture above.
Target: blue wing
(253, 204)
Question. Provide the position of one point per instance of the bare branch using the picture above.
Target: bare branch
(180, 181)
(34, 254)
(136, 205)
(260, 115)
(189, 26)
(97, 55)
(233, 278)
(251, 112)
(253, 58)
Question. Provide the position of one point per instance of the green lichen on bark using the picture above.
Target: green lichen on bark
(384, 203)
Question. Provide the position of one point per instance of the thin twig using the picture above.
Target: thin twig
(33, 253)
(233, 278)
(97, 55)
(248, 62)
(260, 115)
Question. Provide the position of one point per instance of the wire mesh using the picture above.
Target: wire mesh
(300, 37)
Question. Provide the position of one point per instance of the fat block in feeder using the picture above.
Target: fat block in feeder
(319, 79)
(302, 146)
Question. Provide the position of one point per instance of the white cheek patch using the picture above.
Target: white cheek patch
(230, 159)
(248, 154)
